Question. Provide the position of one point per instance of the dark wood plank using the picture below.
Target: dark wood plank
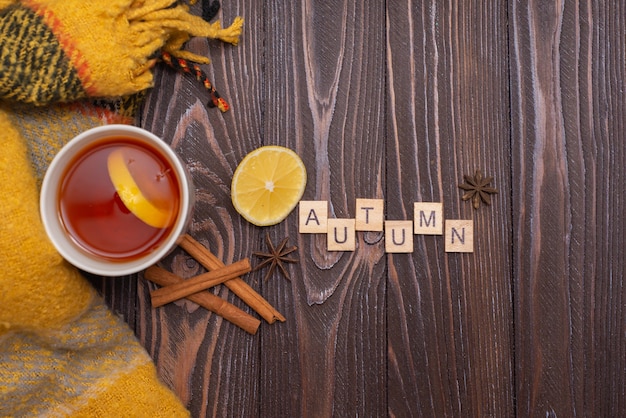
(568, 124)
(211, 364)
(325, 99)
(398, 101)
(119, 293)
(449, 315)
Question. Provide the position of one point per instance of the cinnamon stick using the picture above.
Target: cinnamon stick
(237, 285)
(201, 282)
(207, 300)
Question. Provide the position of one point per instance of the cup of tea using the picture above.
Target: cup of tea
(115, 200)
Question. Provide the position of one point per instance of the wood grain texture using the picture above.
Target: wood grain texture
(568, 119)
(212, 364)
(397, 100)
(120, 294)
(325, 91)
(449, 315)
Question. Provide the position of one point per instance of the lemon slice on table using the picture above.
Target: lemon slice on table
(268, 184)
(131, 195)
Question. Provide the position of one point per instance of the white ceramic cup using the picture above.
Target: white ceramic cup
(58, 233)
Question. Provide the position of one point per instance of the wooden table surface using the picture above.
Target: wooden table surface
(397, 100)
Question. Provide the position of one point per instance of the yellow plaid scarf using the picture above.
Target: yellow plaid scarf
(62, 352)
(63, 50)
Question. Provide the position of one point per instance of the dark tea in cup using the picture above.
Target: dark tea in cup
(124, 220)
(115, 200)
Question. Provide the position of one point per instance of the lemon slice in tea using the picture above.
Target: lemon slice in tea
(132, 196)
(268, 184)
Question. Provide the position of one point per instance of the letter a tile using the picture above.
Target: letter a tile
(459, 236)
(341, 235)
(313, 216)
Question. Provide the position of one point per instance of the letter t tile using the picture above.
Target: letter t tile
(369, 214)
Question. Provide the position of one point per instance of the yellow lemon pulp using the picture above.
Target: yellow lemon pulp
(131, 195)
(268, 184)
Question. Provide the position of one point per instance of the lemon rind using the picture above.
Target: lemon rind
(130, 193)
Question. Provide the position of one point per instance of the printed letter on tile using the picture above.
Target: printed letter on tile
(341, 235)
(459, 236)
(369, 214)
(313, 216)
(428, 218)
(398, 236)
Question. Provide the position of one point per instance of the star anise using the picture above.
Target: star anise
(477, 189)
(276, 257)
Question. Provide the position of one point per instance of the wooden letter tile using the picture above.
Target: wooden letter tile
(398, 236)
(459, 236)
(313, 215)
(341, 235)
(369, 214)
(428, 218)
